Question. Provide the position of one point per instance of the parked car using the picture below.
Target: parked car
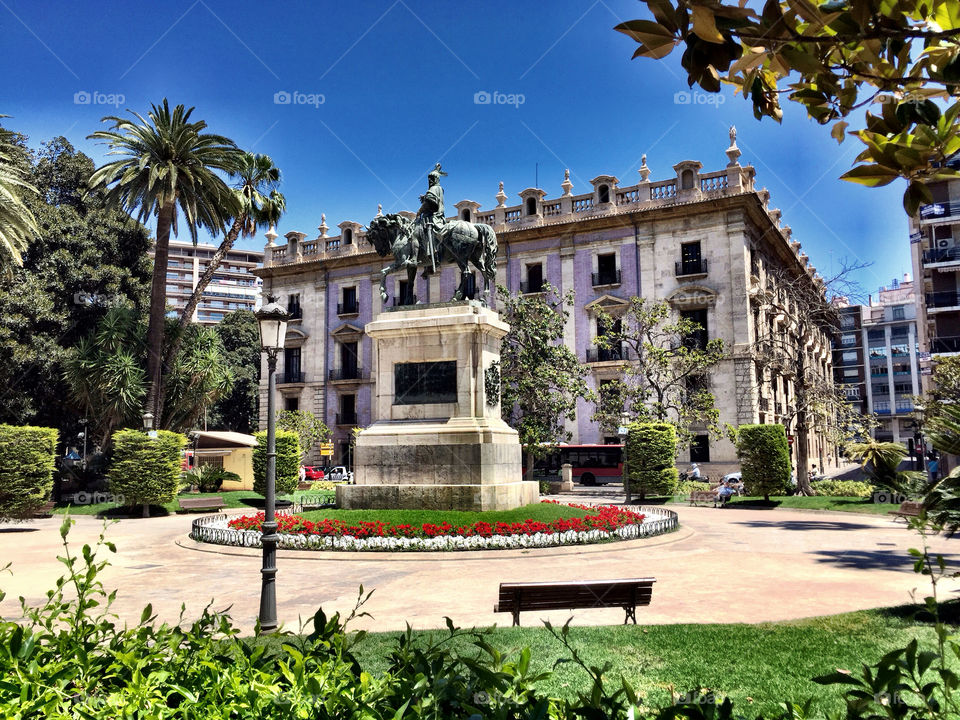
(313, 472)
(338, 473)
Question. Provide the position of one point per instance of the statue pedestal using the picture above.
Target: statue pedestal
(437, 440)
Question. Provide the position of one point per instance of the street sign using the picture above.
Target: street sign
(789, 439)
(926, 370)
(326, 449)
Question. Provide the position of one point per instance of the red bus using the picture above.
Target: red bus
(592, 464)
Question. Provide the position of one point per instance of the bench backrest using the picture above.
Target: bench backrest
(574, 593)
(213, 500)
(910, 506)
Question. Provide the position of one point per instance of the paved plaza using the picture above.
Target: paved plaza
(723, 565)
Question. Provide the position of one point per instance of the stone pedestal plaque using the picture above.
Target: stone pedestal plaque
(437, 440)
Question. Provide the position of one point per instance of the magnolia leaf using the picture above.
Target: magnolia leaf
(705, 25)
(837, 131)
(655, 53)
(646, 31)
(947, 15)
(870, 175)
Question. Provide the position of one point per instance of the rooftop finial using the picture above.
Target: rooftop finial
(644, 170)
(733, 152)
(566, 184)
(322, 227)
(501, 196)
(271, 235)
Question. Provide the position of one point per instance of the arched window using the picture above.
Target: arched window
(686, 180)
(465, 214)
(531, 206)
(604, 192)
(348, 237)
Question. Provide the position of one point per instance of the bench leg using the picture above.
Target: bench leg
(631, 611)
(516, 618)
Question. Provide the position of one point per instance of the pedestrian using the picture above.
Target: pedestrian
(694, 471)
(933, 468)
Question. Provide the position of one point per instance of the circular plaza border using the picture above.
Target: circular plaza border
(215, 530)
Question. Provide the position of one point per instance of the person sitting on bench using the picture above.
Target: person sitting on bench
(724, 492)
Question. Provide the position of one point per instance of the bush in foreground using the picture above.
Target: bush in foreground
(843, 488)
(26, 469)
(764, 459)
(288, 462)
(146, 470)
(650, 455)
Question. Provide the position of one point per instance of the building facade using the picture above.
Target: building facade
(233, 286)
(706, 242)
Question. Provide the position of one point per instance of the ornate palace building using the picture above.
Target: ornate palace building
(706, 242)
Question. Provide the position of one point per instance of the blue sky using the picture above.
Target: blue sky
(398, 79)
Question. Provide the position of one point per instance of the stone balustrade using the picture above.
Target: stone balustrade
(566, 208)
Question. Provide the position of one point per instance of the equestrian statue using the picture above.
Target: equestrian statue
(429, 240)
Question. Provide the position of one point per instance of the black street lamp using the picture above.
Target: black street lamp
(622, 432)
(272, 319)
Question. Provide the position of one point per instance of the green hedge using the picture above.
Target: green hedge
(26, 469)
(650, 457)
(843, 488)
(288, 462)
(764, 459)
(145, 470)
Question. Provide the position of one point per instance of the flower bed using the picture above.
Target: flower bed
(598, 524)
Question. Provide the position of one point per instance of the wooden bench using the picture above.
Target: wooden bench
(702, 496)
(213, 502)
(627, 594)
(907, 509)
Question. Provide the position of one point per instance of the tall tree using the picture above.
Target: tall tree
(167, 166)
(309, 429)
(238, 410)
(665, 369)
(834, 59)
(85, 257)
(17, 223)
(199, 376)
(541, 379)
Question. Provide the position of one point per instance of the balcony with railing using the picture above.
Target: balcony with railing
(947, 255)
(938, 212)
(290, 378)
(943, 299)
(530, 288)
(351, 308)
(881, 407)
(690, 267)
(945, 345)
(346, 418)
(764, 404)
(294, 312)
(614, 354)
(347, 373)
(610, 277)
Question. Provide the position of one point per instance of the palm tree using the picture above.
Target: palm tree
(17, 223)
(259, 205)
(167, 166)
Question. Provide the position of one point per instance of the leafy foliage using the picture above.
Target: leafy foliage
(238, 410)
(198, 377)
(288, 462)
(649, 456)
(309, 429)
(764, 459)
(833, 59)
(843, 488)
(541, 378)
(17, 223)
(146, 470)
(209, 478)
(26, 469)
(666, 377)
(85, 259)
(881, 461)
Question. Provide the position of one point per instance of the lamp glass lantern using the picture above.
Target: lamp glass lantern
(272, 319)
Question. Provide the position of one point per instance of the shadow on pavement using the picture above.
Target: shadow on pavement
(872, 559)
(806, 525)
(18, 529)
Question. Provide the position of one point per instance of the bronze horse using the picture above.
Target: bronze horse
(458, 241)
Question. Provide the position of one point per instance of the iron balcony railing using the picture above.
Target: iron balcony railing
(528, 288)
(347, 373)
(290, 377)
(605, 278)
(691, 267)
(294, 312)
(346, 418)
(348, 308)
(941, 255)
(946, 298)
(607, 354)
(936, 211)
(945, 345)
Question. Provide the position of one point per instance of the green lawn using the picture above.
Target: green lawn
(231, 499)
(842, 504)
(768, 663)
(544, 512)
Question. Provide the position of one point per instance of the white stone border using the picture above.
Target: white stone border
(657, 520)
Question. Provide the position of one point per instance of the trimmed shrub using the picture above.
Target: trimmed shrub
(689, 486)
(764, 459)
(288, 462)
(843, 488)
(650, 455)
(145, 470)
(26, 469)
